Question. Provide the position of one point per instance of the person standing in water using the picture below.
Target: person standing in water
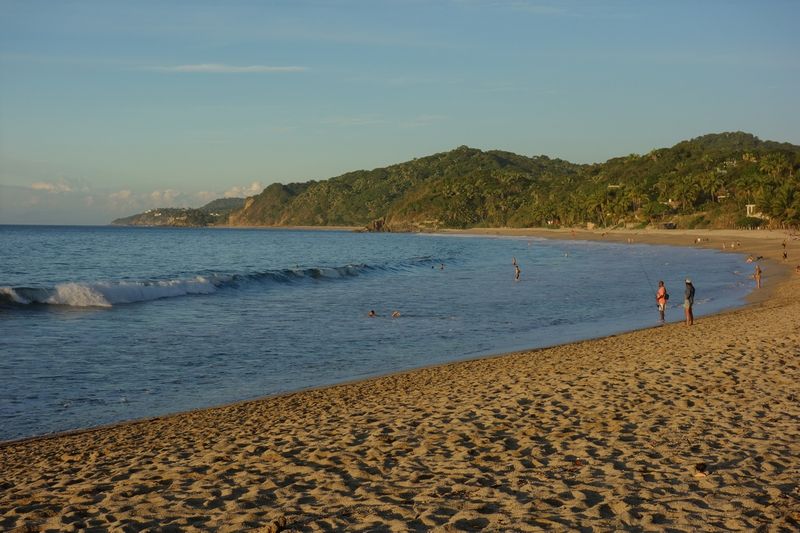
(661, 300)
(688, 302)
(757, 276)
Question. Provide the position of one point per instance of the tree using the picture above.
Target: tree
(775, 165)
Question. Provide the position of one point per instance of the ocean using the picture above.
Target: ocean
(104, 324)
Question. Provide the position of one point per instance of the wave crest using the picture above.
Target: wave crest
(105, 293)
(110, 293)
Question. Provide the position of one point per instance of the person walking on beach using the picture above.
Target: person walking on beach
(661, 300)
(757, 276)
(688, 302)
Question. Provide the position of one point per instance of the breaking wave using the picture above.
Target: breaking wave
(110, 293)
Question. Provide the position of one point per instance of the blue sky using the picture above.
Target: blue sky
(108, 108)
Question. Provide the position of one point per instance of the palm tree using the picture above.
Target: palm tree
(775, 165)
(687, 191)
(744, 187)
(711, 184)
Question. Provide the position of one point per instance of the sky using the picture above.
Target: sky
(109, 108)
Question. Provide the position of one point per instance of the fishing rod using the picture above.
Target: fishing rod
(644, 271)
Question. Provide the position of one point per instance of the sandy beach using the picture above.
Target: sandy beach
(672, 428)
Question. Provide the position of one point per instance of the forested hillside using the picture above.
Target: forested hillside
(461, 188)
(703, 182)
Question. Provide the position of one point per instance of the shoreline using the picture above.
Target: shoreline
(766, 243)
(375, 422)
(780, 273)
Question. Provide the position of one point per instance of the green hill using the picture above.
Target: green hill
(461, 188)
(703, 182)
(213, 213)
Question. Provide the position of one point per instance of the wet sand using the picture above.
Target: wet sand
(672, 428)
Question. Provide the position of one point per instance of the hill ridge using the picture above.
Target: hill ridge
(703, 182)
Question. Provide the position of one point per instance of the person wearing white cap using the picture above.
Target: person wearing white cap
(688, 302)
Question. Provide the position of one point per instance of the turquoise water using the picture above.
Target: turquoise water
(103, 324)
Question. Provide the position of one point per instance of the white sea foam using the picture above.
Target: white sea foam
(77, 295)
(106, 294)
(12, 294)
(128, 292)
(109, 293)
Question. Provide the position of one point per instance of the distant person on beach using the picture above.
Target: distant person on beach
(688, 302)
(517, 272)
(661, 300)
(757, 276)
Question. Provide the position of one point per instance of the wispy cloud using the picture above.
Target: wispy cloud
(203, 197)
(217, 68)
(122, 199)
(247, 190)
(52, 187)
(61, 185)
(165, 198)
(126, 200)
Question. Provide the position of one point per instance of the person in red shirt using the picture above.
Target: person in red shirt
(661, 300)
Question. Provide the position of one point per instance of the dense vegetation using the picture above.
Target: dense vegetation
(213, 213)
(703, 182)
(464, 187)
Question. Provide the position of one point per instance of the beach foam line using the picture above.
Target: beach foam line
(110, 293)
